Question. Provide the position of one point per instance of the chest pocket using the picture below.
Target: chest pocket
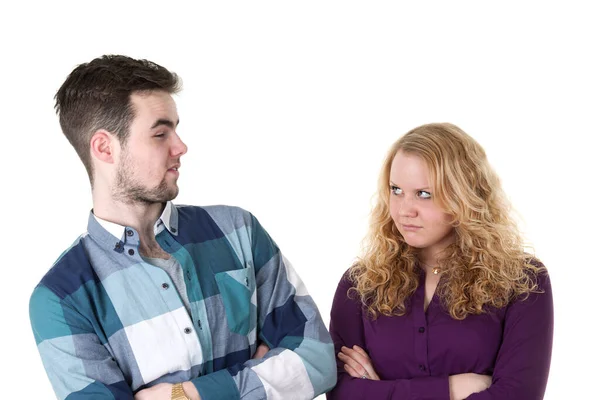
(237, 289)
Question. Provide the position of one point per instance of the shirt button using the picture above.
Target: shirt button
(246, 281)
(421, 330)
(129, 232)
(189, 275)
(187, 331)
(199, 324)
(165, 285)
(422, 367)
(173, 230)
(131, 252)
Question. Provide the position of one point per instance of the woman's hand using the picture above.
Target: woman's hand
(357, 363)
(464, 385)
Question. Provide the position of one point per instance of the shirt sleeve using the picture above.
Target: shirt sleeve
(523, 361)
(77, 363)
(346, 329)
(301, 361)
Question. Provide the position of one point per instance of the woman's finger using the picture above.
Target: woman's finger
(352, 363)
(365, 361)
(355, 355)
(360, 351)
(351, 371)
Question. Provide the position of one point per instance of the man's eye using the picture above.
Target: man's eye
(395, 190)
(423, 194)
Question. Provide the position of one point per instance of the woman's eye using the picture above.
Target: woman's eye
(395, 190)
(423, 194)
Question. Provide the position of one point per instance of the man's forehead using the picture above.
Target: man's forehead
(156, 105)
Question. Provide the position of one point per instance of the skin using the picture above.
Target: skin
(422, 223)
(133, 180)
(426, 226)
(163, 390)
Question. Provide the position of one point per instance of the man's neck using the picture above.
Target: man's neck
(140, 216)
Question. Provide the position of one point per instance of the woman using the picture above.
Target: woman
(444, 303)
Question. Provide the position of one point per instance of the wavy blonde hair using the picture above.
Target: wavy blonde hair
(486, 266)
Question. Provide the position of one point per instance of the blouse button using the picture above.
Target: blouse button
(421, 329)
(187, 331)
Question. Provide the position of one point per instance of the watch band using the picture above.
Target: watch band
(177, 392)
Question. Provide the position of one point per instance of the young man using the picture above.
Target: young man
(158, 300)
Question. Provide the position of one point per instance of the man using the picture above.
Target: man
(158, 300)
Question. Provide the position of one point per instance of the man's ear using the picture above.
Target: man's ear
(102, 146)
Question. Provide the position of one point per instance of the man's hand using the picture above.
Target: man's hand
(162, 391)
(464, 385)
(357, 363)
(261, 350)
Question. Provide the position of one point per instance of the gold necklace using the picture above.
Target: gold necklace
(435, 270)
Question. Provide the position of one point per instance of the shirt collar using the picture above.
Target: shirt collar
(111, 233)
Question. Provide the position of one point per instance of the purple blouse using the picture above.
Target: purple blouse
(416, 353)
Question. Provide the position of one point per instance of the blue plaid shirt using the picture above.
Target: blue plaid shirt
(108, 324)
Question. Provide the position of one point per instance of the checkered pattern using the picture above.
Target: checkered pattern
(108, 324)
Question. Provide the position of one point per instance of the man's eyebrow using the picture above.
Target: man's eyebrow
(166, 122)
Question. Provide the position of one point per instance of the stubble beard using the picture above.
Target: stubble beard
(128, 190)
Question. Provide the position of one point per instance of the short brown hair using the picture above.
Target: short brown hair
(97, 95)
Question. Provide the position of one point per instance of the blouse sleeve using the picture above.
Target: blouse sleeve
(523, 361)
(346, 328)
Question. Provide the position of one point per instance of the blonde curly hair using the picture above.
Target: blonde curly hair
(486, 266)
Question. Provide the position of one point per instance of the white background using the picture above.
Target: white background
(288, 109)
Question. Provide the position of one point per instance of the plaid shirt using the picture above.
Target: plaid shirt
(108, 324)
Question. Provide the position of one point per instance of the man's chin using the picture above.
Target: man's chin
(166, 197)
(158, 199)
(164, 194)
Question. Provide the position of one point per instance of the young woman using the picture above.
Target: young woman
(444, 303)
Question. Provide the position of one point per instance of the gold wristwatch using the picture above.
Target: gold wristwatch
(177, 392)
